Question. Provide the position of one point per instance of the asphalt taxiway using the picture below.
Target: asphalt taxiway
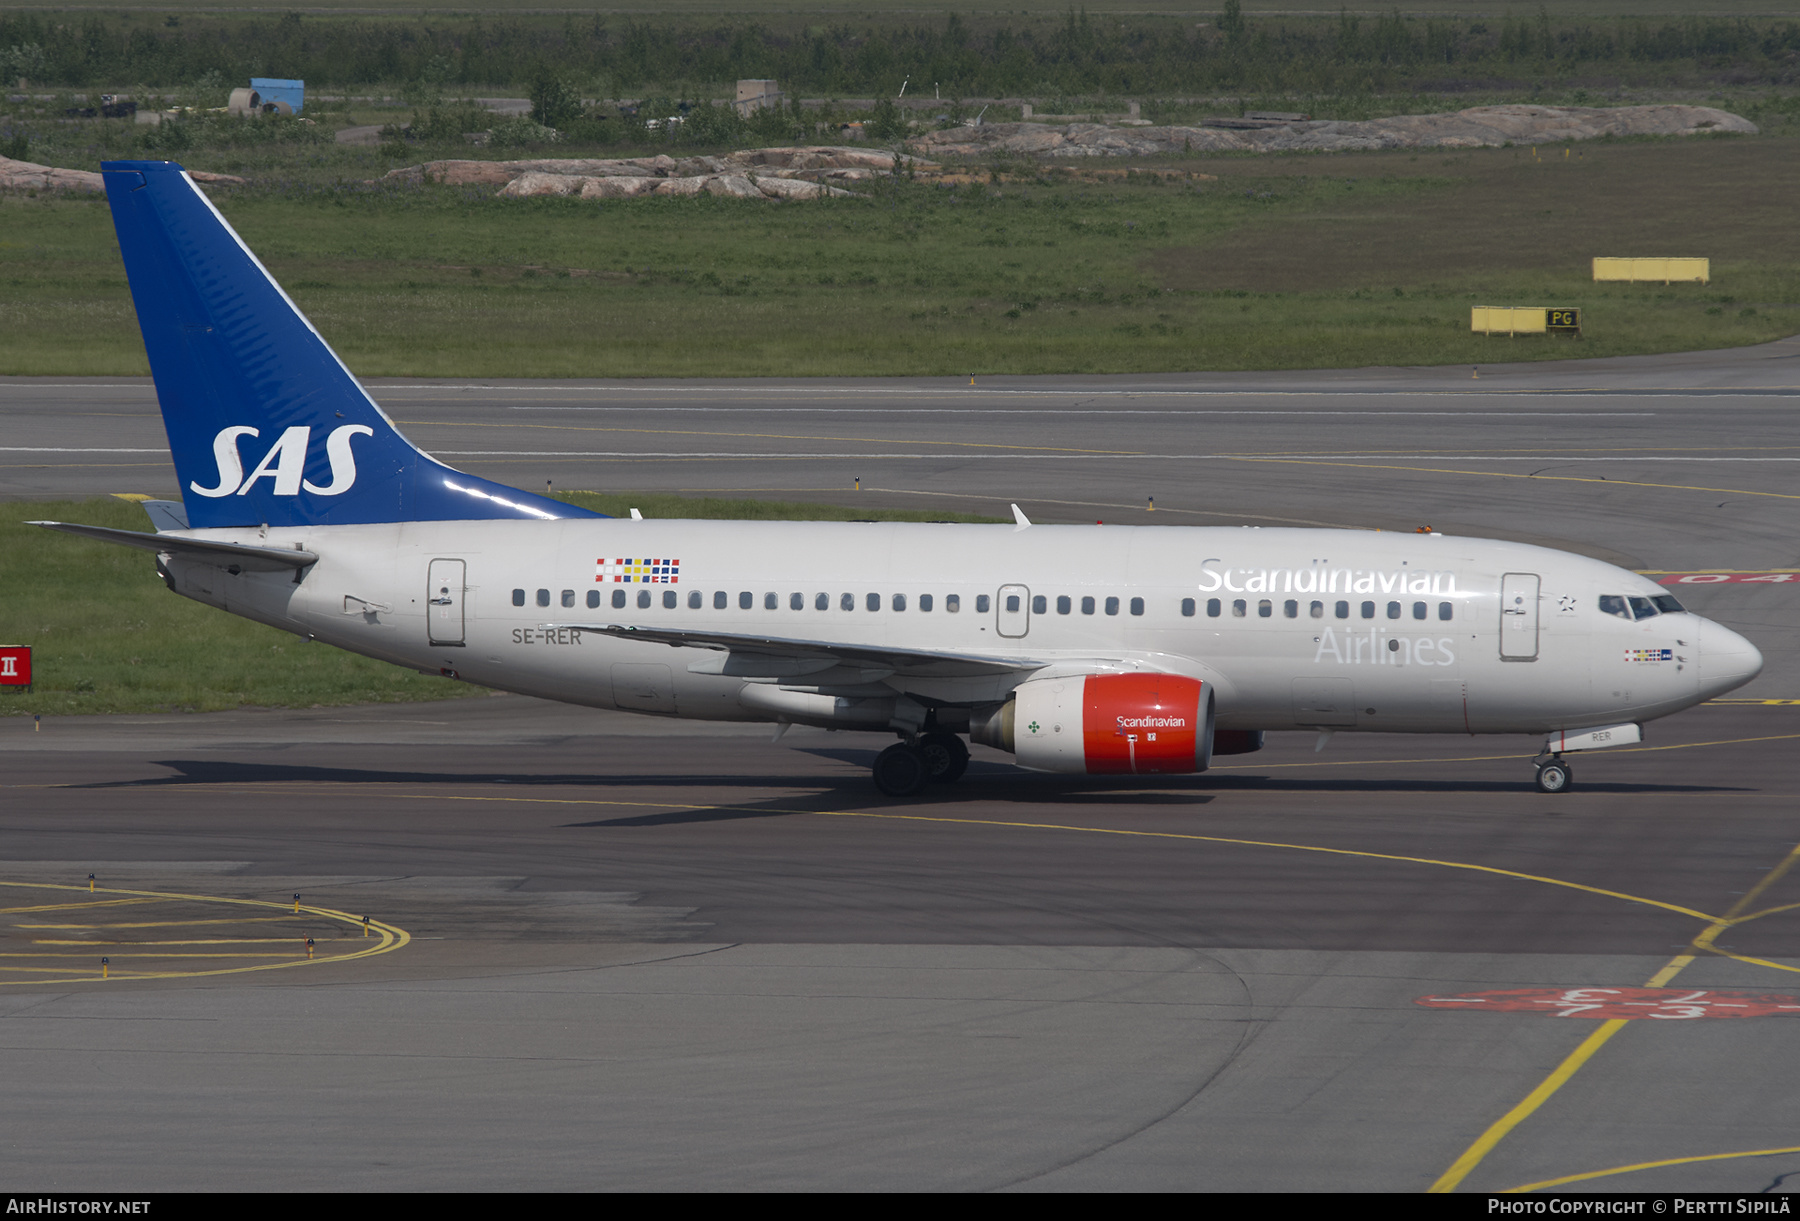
(612, 952)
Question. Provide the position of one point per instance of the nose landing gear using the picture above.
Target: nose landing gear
(1554, 775)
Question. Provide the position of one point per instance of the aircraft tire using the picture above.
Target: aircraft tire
(946, 758)
(1555, 777)
(901, 771)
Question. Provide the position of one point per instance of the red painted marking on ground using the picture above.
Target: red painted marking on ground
(1727, 578)
(1669, 1004)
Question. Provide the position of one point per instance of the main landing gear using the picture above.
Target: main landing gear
(906, 768)
(1554, 775)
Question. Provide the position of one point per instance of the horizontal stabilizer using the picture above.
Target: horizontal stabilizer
(224, 555)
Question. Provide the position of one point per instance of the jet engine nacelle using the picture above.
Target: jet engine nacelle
(1106, 724)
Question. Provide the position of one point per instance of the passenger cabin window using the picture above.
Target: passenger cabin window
(1087, 605)
(1137, 606)
(1187, 608)
(618, 599)
(1112, 606)
(694, 599)
(543, 597)
(898, 602)
(670, 597)
(1064, 604)
(1012, 604)
(1446, 611)
(1317, 610)
(643, 599)
(1393, 610)
(1343, 610)
(1265, 608)
(952, 603)
(925, 603)
(981, 604)
(847, 602)
(822, 602)
(1291, 608)
(593, 599)
(719, 599)
(872, 601)
(518, 597)
(1213, 606)
(1039, 604)
(1238, 608)
(1368, 610)
(1418, 610)
(771, 601)
(746, 600)
(568, 597)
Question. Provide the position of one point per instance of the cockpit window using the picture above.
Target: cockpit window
(1667, 604)
(1613, 604)
(1642, 609)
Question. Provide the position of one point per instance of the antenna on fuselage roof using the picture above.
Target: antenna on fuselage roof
(1019, 516)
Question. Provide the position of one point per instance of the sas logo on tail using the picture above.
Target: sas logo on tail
(285, 463)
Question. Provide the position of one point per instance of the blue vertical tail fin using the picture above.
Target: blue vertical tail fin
(266, 424)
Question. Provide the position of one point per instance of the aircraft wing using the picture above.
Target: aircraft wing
(780, 656)
(223, 555)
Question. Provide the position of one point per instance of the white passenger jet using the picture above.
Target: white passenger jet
(1080, 649)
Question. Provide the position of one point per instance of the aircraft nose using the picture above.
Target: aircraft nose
(1727, 660)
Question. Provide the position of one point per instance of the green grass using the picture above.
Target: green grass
(1286, 262)
(107, 636)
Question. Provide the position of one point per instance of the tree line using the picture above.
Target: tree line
(1075, 54)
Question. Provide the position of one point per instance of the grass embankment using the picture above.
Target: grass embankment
(107, 636)
(1273, 263)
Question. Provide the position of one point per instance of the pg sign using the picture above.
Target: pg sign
(15, 666)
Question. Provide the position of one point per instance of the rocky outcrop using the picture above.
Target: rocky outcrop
(764, 173)
(29, 176)
(1479, 127)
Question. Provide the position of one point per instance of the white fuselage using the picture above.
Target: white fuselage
(1315, 629)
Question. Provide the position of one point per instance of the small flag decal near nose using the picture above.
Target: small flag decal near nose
(638, 571)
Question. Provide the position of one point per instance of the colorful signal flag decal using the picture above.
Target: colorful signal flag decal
(638, 571)
(1649, 654)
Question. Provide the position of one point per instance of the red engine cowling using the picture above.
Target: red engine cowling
(1101, 724)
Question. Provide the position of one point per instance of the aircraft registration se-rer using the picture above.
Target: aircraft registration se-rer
(1080, 649)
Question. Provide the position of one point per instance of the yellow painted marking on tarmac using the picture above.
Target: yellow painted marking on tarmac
(1429, 470)
(287, 919)
(1036, 826)
(1485, 1143)
(388, 937)
(783, 436)
(1472, 1156)
(57, 907)
(135, 496)
(1670, 1161)
(64, 955)
(1616, 750)
(190, 941)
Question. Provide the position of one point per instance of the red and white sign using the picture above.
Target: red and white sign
(1669, 1004)
(15, 666)
(1727, 578)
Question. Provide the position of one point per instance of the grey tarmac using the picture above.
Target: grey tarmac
(647, 954)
